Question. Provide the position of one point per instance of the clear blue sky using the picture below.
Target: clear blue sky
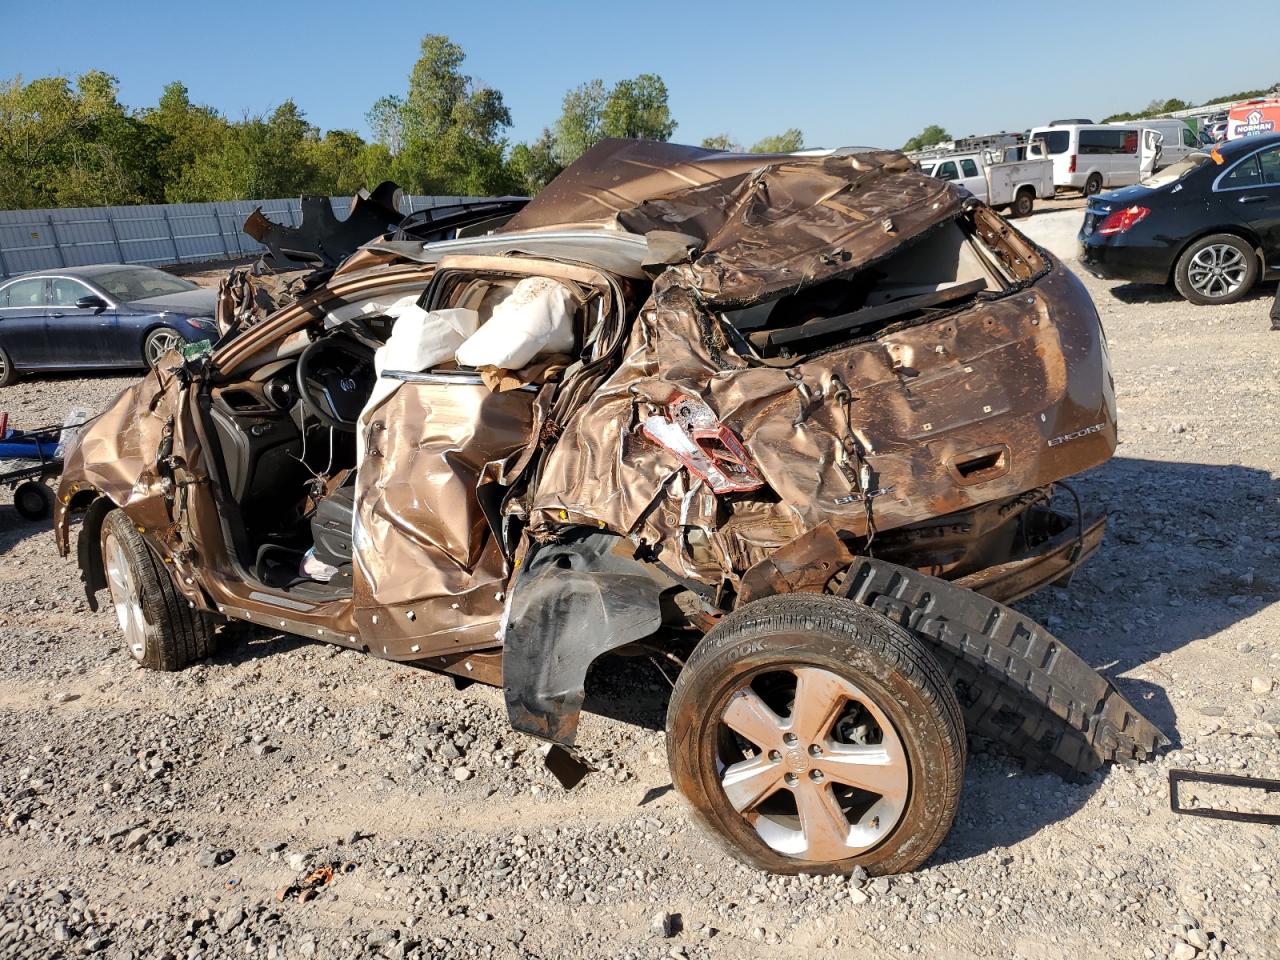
(845, 73)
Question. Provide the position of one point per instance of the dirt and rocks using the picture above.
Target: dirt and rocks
(199, 814)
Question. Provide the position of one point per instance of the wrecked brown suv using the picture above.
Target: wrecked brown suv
(795, 423)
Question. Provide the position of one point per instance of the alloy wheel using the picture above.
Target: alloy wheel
(124, 597)
(812, 763)
(1217, 271)
(160, 343)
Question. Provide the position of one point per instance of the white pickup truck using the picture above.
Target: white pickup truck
(996, 177)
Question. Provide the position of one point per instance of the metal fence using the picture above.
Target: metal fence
(154, 234)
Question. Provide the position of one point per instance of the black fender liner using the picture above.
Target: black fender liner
(89, 550)
(1017, 683)
(572, 601)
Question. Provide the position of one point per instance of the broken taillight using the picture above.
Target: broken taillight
(693, 435)
(1121, 221)
(1071, 167)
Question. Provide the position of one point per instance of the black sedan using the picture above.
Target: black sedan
(1210, 223)
(108, 315)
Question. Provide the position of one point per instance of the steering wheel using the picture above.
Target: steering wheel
(335, 378)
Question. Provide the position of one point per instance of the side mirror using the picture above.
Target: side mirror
(92, 302)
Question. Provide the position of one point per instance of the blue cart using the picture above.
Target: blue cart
(39, 461)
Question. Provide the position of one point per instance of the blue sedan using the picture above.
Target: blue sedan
(98, 317)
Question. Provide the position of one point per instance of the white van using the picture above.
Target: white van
(1178, 139)
(1096, 156)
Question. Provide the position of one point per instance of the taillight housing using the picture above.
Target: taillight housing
(1071, 167)
(692, 433)
(1122, 221)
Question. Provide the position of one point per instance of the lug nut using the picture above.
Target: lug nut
(775, 756)
(815, 750)
(815, 775)
(791, 779)
(789, 739)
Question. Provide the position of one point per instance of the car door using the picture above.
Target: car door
(22, 317)
(952, 170)
(439, 444)
(1260, 205)
(972, 179)
(82, 336)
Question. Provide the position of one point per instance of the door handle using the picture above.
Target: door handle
(55, 314)
(1254, 199)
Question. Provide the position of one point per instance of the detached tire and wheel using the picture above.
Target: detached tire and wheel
(159, 342)
(1219, 268)
(810, 734)
(1093, 184)
(161, 630)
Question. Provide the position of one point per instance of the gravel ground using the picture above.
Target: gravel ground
(160, 815)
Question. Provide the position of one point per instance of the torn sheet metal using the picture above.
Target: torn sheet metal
(321, 239)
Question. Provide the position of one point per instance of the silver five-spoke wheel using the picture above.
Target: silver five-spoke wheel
(827, 780)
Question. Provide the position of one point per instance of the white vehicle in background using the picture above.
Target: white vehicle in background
(1096, 156)
(1178, 141)
(995, 177)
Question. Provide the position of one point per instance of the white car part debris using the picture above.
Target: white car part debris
(536, 318)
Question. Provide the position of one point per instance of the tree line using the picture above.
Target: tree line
(68, 142)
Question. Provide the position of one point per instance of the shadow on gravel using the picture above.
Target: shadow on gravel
(244, 642)
(14, 528)
(1156, 293)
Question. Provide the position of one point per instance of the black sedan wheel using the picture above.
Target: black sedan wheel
(7, 374)
(159, 342)
(1219, 268)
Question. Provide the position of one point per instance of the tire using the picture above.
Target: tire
(1219, 268)
(1093, 184)
(8, 376)
(161, 630)
(884, 699)
(33, 500)
(158, 343)
(1024, 203)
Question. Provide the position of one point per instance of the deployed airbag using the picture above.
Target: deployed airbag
(536, 318)
(420, 339)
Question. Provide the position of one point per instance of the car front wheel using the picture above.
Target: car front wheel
(1220, 268)
(159, 342)
(810, 734)
(161, 630)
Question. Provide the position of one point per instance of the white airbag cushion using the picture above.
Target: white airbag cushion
(422, 339)
(536, 318)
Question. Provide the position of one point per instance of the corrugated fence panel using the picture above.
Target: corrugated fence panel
(155, 234)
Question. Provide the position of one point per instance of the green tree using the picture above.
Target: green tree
(722, 141)
(637, 109)
(447, 134)
(534, 165)
(578, 128)
(930, 136)
(65, 144)
(190, 132)
(788, 142)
